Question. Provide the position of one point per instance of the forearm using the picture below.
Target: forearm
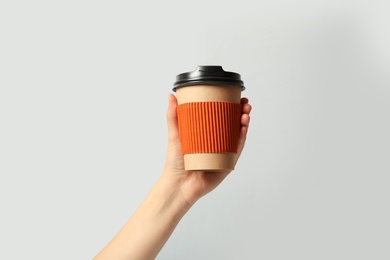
(149, 228)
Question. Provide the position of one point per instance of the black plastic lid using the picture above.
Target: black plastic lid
(214, 75)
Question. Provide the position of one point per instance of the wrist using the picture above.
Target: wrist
(169, 193)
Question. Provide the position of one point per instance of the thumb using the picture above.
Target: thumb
(173, 131)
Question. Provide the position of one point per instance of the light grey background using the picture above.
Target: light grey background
(83, 94)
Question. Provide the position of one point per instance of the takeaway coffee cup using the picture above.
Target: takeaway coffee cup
(209, 114)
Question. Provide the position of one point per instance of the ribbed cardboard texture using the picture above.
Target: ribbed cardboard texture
(209, 127)
(209, 123)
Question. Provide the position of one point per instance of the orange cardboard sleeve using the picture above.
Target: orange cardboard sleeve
(209, 127)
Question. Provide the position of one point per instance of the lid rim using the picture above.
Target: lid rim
(194, 83)
(208, 75)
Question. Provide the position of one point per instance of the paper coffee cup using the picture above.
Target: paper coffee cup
(209, 115)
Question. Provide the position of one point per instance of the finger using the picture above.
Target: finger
(244, 100)
(241, 141)
(245, 119)
(173, 131)
(246, 109)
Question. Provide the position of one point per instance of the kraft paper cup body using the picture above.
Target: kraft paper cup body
(209, 123)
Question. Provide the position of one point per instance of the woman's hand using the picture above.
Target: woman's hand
(193, 185)
(146, 232)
